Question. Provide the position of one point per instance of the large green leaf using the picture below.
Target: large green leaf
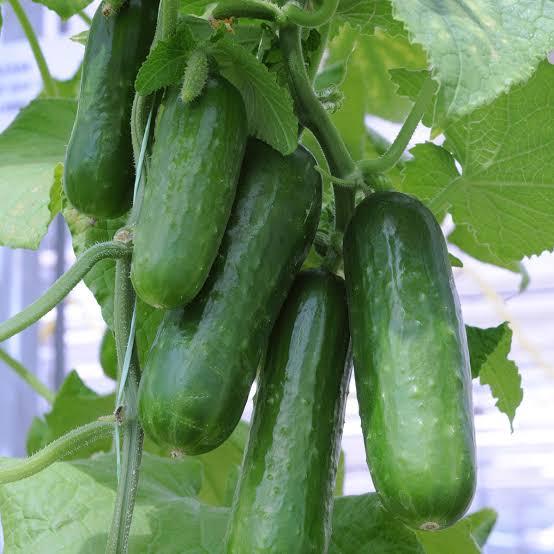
(478, 48)
(489, 349)
(221, 468)
(31, 150)
(367, 15)
(168, 517)
(75, 405)
(361, 524)
(502, 202)
(65, 8)
(165, 64)
(269, 105)
(68, 508)
(455, 540)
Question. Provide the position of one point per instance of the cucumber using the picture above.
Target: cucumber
(411, 361)
(98, 169)
(203, 361)
(189, 193)
(284, 499)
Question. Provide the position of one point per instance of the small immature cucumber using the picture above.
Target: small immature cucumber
(196, 75)
(284, 499)
(98, 170)
(203, 361)
(411, 361)
(189, 193)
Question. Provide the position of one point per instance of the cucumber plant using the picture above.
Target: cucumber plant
(235, 216)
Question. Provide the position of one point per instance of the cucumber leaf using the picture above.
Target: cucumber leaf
(166, 62)
(454, 261)
(478, 49)
(65, 8)
(488, 350)
(75, 405)
(77, 517)
(31, 151)
(367, 15)
(361, 524)
(221, 468)
(269, 105)
(502, 200)
(168, 516)
(455, 540)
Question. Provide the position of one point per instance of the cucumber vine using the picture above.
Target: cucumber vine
(346, 174)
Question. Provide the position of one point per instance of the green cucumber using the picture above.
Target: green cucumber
(189, 193)
(98, 169)
(284, 499)
(411, 361)
(203, 361)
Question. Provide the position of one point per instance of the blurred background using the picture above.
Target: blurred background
(516, 471)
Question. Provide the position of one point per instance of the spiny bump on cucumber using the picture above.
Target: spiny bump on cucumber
(195, 76)
(112, 7)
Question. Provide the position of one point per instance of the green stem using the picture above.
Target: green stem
(255, 9)
(170, 15)
(36, 384)
(85, 18)
(49, 84)
(62, 287)
(299, 16)
(356, 184)
(390, 158)
(313, 116)
(118, 538)
(58, 449)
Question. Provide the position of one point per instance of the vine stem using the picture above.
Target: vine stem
(58, 449)
(391, 157)
(255, 9)
(381, 144)
(85, 18)
(299, 16)
(313, 116)
(30, 378)
(49, 84)
(118, 538)
(62, 287)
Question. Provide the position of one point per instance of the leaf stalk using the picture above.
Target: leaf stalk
(58, 449)
(63, 286)
(30, 378)
(48, 81)
(313, 116)
(299, 16)
(396, 150)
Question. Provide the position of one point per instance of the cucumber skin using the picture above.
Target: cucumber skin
(189, 193)
(98, 169)
(284, 499)
(201, 366)
(411, 361)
